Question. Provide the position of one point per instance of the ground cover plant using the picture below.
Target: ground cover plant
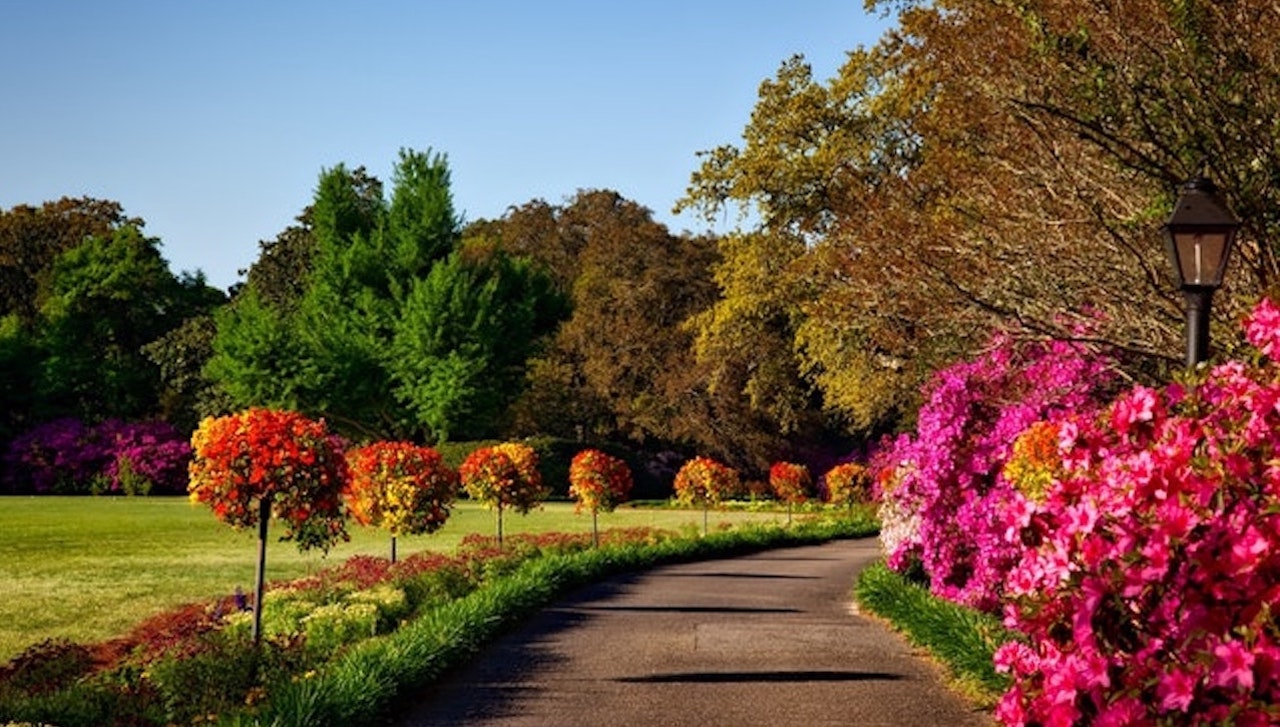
(323, 661)
(964, 640)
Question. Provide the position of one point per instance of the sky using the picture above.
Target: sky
(212, 121)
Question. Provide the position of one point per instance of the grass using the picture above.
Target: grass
(962, 639)
(89, 568)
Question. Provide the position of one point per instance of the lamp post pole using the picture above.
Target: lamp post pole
(1198, 303)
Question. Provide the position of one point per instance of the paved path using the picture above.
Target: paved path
(767, 639)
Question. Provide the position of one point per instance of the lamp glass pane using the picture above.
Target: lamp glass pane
(1200, 257)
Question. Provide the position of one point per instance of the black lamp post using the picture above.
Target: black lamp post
(1199, 233)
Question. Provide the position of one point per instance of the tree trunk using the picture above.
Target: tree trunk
(260, 579)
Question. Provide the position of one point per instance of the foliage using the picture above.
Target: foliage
(279, 457)
(950, 177)
(186, 394)
(103, 301)
(31, 238)
(67, 456)
(1146, 581)
(373, 314)
(706, 482)
(945, 479)
(460, 347)
(597, 481)
(504, 476)
(621, 367)
(791, 483)
(848, 483)
(401, 487)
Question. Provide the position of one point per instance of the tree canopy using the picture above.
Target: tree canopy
(994, 163)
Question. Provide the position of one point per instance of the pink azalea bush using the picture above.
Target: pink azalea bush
(1148, 578)
(942, 493)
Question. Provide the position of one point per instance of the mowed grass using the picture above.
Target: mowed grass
(89, 568)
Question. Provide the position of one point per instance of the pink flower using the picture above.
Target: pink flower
(1232, 666)
(1262, 327)
(1176, 690)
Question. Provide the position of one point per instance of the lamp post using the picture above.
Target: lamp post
(1199, 234)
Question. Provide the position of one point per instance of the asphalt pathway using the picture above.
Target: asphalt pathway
(766, 639)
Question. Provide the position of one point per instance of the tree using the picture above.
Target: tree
(1000, 162)
(621, 365)
(791, 483)
(598, 482)
(31, 238)
(705, 482)
(104, 300)
(503, 477)
(400, 487)
(260, 463)
(460, 347)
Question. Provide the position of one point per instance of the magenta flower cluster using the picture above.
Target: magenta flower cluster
(68, 456)
(945, 483)
(1149, 586)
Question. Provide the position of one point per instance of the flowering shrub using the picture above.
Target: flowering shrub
(706, 482)
(69, 456)
(278, 456)
(847, 484)
(1148, 584)
(400, 487)
(598, 481)
(791, 483)
(948, 474)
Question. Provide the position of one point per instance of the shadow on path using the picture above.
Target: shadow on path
(766, 677)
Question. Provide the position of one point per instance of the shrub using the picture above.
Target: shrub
(847, 484)
(791, 483)
(1147, 584)
(704, 482)
(67, 456)
(947, 474)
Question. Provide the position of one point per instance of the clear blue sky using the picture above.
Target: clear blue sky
(212, 120)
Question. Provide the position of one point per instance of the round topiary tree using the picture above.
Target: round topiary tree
(791, 483)
(704, 482)
(847, 484)
(504, 476)
(598, 482)
(400, 487)
(262, 463)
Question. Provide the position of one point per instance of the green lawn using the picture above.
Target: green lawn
(88, 568)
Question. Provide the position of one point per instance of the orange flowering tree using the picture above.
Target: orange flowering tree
(261, 463)
(791, 483)
(848, 484)
(598, 482)
(504, 476)
(704, 481)
(400, 487)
